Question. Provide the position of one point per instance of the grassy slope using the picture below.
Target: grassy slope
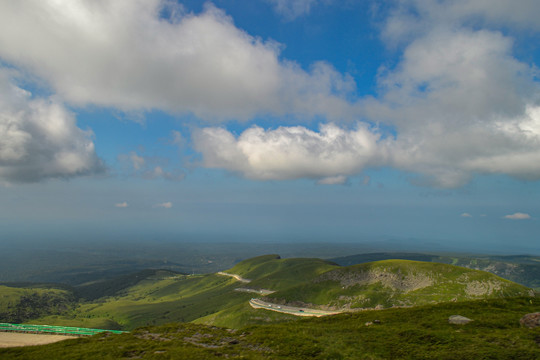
(398, 283)
(163, 297)
(20, 304)
(184, 298)
(109, 287)
(271, 272)
(522, 269)
(412, 333)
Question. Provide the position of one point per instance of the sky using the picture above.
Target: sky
(298, 120)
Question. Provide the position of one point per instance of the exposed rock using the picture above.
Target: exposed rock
(481, 288)
(530, 320)
(388, 277)
(458, 320)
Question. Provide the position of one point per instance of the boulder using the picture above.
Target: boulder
(458, 320)
(531, 320)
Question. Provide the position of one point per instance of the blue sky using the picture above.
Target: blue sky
(416, 120)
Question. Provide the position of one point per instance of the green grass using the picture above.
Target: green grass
(398, 283)
(414, 333)
(522, 269)
(20, 304)
(183, 298)
(271, 272)
(159, 297)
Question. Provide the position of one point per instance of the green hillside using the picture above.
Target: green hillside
(108, 287)
(522, 269)
(154, 297)
(273, 273)
(27, 302)
(396, 283)
(404, 333)
(153, 301)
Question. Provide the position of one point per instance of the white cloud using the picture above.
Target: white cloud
(39, 138)
(137, 161)
(121, 205)
(291, 9)
(289, 152)
(158, 172)
(466, 215)
(518, 216)
(122, 54)
(461, 105)
(150, 167)
(409, 19)
(333, 180)
(166, 205)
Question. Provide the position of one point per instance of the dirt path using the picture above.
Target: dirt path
(255, 291)
(237, 277)
(259, 304)
(12, 339)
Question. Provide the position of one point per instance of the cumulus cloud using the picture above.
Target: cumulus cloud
(291, 9)
(460, 102)
(518, 216)
(166, 205)
(39, 138)
(330, 154)
(412, 18)
(123, 54)
(121, 205)
(466, 215)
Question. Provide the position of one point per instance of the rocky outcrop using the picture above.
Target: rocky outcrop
(392, 279)
(458, 320)
(531, 320)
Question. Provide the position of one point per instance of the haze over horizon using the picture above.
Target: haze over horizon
(416, 121)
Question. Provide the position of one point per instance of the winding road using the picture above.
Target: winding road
(259, 304)
(291, 310)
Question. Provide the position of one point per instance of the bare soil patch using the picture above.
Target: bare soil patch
(12, 339)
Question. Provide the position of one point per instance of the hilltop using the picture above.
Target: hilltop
(389, 283)
(522, 269)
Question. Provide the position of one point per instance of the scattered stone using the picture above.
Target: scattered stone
(458, 320)
(376, 321)
(369, 323)
(531, 320)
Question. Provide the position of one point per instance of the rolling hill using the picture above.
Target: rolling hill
(522, 269)
(155, 297)
(391, 283)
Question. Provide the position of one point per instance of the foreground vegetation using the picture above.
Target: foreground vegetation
(404, 333)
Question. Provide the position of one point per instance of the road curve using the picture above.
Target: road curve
(291, 310)
(237, 277)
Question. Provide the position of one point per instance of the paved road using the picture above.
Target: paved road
(259, 304)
